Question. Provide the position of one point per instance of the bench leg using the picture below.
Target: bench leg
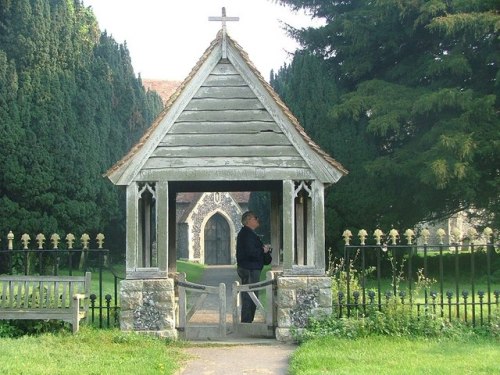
(76, 317)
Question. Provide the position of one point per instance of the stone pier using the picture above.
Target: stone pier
(298, 298)
(148, 306)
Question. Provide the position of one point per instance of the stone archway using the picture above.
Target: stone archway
(217, 240)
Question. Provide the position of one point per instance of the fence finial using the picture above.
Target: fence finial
(456, 233)
(70, 238)
(347, 236)
(378, 235)
(362, 234)
(426, 235)
(393, 233)
(85, 240)
(25, 239)
(441, 233)
(100, 240)
(409, 234)
(10, 240)
(55, 238)
(40, 239)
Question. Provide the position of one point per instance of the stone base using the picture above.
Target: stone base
(148, 306)
(298, 299)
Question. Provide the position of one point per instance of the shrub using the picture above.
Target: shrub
(393, 318)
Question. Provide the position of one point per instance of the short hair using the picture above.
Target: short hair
(247, 216)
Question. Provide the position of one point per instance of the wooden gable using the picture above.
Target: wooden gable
(225, 123)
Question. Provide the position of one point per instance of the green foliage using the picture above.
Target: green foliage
(18, 328)
(7, 329)
(394, 318)
(406, 98)
(70, 106)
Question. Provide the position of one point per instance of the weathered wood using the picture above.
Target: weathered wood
(132, 222)
(226, 80)
(324, 171)
(163, 236)
(227, 115)
(318, 218)
(262, 138)
(45, 297)
(202, 292)
(224, 174)
(213, 104)
(127, 173)
(288, 223)
(225, 127)
(224, 68)
(257, 161)
(225, 92)
(266, 328)
(228, 151)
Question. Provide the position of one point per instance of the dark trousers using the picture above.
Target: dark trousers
(247, 305)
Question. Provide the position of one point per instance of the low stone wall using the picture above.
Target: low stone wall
(298, 298)
(148, 306)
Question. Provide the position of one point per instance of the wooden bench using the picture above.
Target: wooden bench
(45, 297)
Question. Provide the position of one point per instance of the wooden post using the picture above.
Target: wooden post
(318, 229)
(162, 232)
(132, 227)
(275, 227)
(172, 233)
(236, 307)
(222, 309)
(182, 304)
(288, 224)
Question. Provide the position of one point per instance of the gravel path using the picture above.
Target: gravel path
(239, 359)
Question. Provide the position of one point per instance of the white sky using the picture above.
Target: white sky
(167, 37)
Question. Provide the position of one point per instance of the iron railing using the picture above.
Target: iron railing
(452, 281)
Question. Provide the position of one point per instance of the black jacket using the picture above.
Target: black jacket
(249, 250)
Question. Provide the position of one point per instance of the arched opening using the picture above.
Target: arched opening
(217, 240)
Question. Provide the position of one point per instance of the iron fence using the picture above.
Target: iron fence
(454, 281)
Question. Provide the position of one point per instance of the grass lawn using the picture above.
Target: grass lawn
(396, 355)
(91, 351)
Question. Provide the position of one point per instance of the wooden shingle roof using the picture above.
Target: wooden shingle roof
(225, 122)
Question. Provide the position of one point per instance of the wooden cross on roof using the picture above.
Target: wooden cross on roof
(224, 19)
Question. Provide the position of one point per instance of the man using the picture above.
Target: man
(250, 260)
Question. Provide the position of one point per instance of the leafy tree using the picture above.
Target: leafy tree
(418, 108)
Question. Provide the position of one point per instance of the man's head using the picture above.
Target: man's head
(250, 220)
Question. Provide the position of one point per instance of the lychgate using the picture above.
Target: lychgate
(224, 129)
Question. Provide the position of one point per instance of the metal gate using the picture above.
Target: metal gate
(265, 323)
(191, 299)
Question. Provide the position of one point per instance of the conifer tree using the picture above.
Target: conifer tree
(419, 88)
(70, 106)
